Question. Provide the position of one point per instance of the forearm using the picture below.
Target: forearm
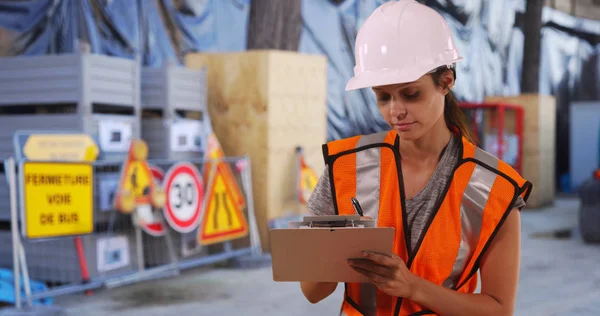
(448, 302)
(317, 291)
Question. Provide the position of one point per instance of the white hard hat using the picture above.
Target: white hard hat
(400, 42)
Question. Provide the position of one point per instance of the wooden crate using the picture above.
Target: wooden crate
(265, 103)
(539, 144)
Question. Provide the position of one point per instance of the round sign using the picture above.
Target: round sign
(155, 228)
(185, 192)
(157, 173)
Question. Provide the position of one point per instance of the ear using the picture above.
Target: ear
(447, 80)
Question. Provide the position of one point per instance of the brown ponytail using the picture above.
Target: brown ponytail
(455, 118)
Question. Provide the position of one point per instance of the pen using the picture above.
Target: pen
(356, 206)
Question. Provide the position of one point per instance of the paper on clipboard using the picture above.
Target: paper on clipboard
(350, 221)
(319, 254)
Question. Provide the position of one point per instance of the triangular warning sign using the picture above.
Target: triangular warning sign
(136, 186)
(137, 178)
(307, 178)
(214, 151)
(223, 220)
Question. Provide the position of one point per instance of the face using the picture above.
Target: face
(412, 109)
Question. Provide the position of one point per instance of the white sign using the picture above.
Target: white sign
(115, 136)
(112, 253)
(185, 192)
(186, 136)
(107, 186)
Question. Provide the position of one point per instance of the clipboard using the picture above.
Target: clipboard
(317, 249)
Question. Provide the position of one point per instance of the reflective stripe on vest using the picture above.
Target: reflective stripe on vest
(470, 212)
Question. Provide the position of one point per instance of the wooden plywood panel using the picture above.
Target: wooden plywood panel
(264, 104)
(547, 123)
(540, 120)
(539, 169)
(538, 144)
(297, 117)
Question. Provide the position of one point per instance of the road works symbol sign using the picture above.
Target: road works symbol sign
(138, 180)
(307, 178)
(185, 193)
(58, 199)
(63, 147)
(223, 220)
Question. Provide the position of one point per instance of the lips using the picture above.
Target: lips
(403, 126)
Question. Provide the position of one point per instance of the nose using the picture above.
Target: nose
(397, 108)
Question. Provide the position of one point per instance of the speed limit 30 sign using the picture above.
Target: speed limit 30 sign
(185, 192)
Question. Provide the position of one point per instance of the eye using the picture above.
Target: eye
(383, 97)
(411, 95)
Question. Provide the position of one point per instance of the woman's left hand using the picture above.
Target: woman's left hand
(389, 274)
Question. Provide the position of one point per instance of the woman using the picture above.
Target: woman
(454, 207)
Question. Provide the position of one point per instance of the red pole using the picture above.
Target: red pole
(501, 131)
(82, 263)
(521, 140)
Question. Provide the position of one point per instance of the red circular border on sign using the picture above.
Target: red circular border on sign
(154, 229)
(157, 173)
(178, 225)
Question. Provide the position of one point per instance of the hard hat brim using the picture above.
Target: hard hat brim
(391, 76)
(379, 78)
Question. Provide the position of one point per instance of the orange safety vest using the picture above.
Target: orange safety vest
(475, 203)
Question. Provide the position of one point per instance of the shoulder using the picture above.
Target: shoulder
(355, 143)
(488, 166)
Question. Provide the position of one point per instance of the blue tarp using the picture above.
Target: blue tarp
(113, 27)
(330, 30)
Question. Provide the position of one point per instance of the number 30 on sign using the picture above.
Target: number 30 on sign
(185, 190)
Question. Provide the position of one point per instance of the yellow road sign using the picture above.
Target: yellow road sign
(64, 147)
(307, 183)
(58, 199)
(137, 179)
(214, 151)
(307, 178)
(223, 220)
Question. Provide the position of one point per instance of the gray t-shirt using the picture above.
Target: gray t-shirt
(418, 208)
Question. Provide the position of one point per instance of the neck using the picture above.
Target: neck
(429, 146)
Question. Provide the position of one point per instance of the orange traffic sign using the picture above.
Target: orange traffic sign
(307, 178)
(214, 151)
(224, 219)
(137, 186)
